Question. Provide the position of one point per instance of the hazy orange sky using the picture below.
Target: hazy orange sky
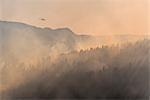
(96, 17)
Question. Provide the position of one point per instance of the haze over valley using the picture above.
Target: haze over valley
(74, 49)
(34, 61)
(25, 43)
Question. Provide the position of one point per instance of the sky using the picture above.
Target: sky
(93, 17)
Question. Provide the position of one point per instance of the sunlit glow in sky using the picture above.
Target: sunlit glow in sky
(95, 17)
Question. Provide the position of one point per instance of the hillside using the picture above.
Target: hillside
(104, 72)
(22, 43)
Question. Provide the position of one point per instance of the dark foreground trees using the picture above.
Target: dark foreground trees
(103, 73)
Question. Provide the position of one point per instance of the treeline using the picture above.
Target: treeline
(107, 72)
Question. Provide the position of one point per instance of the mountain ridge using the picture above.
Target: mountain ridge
(19, 41)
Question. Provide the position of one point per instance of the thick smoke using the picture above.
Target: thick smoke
(56, 63)
(26, 44)
(106, 72)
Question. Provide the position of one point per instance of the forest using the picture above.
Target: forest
(118, 71)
